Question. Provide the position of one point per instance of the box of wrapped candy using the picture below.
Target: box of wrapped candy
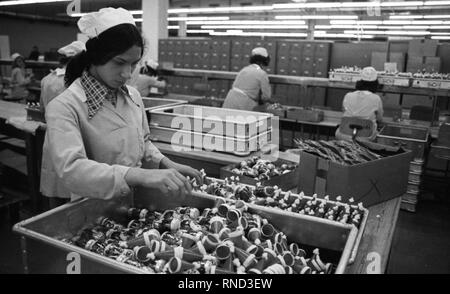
(350, 170)
(274, 198)
(281, 173)
(195, 234)
(34, 112)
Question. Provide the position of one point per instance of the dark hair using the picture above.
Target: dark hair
(367, 86)
(148, 70)
(63, 60)
(103, 48)
(260, 60)
(15, 61)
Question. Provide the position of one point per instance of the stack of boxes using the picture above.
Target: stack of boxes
(301, 58)
(422, 56)
(416, 140)
(209, 54)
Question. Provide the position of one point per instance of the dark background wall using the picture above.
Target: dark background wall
(24, 34)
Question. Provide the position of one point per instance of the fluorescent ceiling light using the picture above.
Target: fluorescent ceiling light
(307, 5)
(173, 27)
(437, 3)
(248, 22)
(220, 9)
(430, 16)
(257, 27)
(24, 2)
(199, 31)
(350, 26)
(257, 34)
(401, 3)
(405, 16)
(412, 33)
(316, 17)
(440, 37)
(193, 18)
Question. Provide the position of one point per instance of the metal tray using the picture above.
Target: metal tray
(344, 77)
(212, 120)
(210, 142)
(155, 103)
(394, 81)
(431, 84)
(408, 137)
(360, 231)
(43, 252)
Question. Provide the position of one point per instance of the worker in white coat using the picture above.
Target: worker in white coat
(364, 103)
(146, 80)
(97, 139)
(53, 84)
(20, 77)
(251, 86)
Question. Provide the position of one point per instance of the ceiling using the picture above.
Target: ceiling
(390, 20)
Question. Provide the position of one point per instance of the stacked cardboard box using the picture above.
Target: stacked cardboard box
(422, 56)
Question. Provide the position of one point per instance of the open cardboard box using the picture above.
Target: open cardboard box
(370, 183)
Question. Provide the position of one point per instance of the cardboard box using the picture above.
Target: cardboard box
(371, 183)
(421, 47)
(285, 182)
(432, 64)
(378, 60)
(399, 59)
(415, 64)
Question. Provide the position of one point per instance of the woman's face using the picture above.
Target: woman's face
(20, 62)
(118, 70)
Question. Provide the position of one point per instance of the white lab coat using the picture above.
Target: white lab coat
(249, 88)
(85, 157)
(362, 104)
(19, 83)
(51, 86)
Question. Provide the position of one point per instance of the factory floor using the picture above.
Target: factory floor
(421, 244)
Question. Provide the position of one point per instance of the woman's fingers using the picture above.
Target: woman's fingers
(184, 181)
(179, 181)
(172, 187)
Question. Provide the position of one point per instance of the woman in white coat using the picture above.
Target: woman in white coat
(97, 138)
(364, 103)
(53, 84)
(145, 78)
(251, 86)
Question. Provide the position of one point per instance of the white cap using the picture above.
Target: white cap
(72, 49)
(95, 23)
(369, 74)
(15, 55)
(260, 51)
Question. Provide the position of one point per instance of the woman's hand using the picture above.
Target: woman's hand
(168, 181)
(183, 169)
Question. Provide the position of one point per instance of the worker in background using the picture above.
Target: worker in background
(364, 103)
(251, 86)
(97, 139)
(34, 54)
(145, 79)
(20, 78)
(53, 84)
